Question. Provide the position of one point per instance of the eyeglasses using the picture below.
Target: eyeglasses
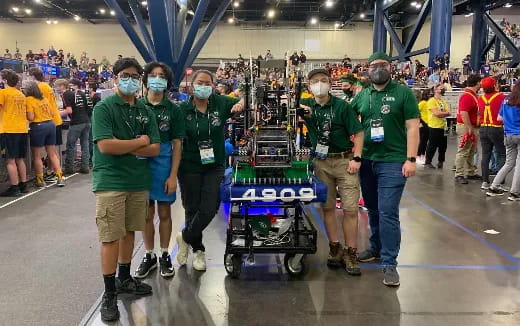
(125, 75)
(157, 75)
(315, 81)
(384, 65)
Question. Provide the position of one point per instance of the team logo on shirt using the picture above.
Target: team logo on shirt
(389, 99)
(189, 117)
(164, 124)
(143, 119)
(215, 119)
(385, 109)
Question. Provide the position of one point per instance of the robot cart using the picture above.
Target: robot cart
(288, 199)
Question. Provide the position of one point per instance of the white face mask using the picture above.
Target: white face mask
(320, 89)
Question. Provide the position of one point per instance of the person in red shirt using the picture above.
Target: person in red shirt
(491, 130)
(467, 128)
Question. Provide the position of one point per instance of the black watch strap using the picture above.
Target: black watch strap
(411, 159)
(357, 159)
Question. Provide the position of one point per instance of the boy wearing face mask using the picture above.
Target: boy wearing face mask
(158, 78)
(331, 121)
(390, 117)
(438, 111)
(347, 85)
(124, 132)
(203, 161)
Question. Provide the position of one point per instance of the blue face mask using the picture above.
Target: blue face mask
(202, 92)
(128, 86)
(157, 84)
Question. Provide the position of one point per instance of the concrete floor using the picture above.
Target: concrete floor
(452, 273)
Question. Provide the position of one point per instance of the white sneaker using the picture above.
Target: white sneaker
(182, 254)
(485, 186)
(199, 260)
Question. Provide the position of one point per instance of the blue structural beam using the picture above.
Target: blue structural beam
(394, 37)
(205, 36)
(121, 18)
(190, 37)
(157, 15)
(171, 17)
(478, 36)
(425, 11)
(142, 27)
(179, 29)
(440, 33)
(497, 48)
(379, 44)
(413, 53)
(504, 39)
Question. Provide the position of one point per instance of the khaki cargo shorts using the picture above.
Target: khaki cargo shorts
(333, 173)
(120, 211)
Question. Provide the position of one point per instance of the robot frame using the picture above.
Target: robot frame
(271, 171)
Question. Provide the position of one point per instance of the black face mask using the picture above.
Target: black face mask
(347, 91)
(379, 76)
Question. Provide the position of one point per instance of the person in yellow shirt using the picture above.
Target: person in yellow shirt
(424, 131)
(42, 133)
(438, 111)
(13, 133)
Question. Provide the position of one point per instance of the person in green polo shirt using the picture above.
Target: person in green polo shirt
(390, 118)
(348, 85)
(158, 78)
(331, 121)
(124, 133)
(203, 161)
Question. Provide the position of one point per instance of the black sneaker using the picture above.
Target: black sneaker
(23, 187)
(109, 310)
(514, 197)
(147, 265)
(133, 286)
(474, 177)
(50, 178)
(12, 191)
(368, 256)
(166, 266)
(461, 180)
(429, 166)
(440, 165)
(493, 192)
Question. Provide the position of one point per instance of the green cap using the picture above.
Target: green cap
(379, 56)
(318, 71)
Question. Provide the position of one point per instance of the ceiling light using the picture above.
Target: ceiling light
(102, 11)
(28, 11)
(508, 5)
(48, 22)
(112, 12)
(38, 1)
(329, 3)
(144, 3)
(469, 15)
(16, 9)
(77, 18)
(418, 6)
(190, 12)
(362, 15)
(55, 22)
(414, 3)
(337, 25)
(314, 20)
(231, 20)
(270, 13)
(236, 4)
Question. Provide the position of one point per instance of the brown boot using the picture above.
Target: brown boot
(335, 253)
(350, 261)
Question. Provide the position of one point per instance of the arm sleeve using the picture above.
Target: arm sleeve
(69, 99)
(178, 128)
(152, 130)
(1, 98)
(228, 104)
(101, 123)
(411, 109)
(29, 104)
(464, 103)
(351, 121)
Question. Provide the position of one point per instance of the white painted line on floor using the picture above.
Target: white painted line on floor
(34, 192)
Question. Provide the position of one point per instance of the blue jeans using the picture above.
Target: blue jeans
(382, 184)
(81, 132)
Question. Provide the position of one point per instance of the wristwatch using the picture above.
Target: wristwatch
(357, 159)
(411, 159)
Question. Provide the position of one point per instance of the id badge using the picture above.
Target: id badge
(322, 149)
(377, 132)
(207, 156)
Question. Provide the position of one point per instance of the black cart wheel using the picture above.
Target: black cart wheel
(294, 265)
(233, 265)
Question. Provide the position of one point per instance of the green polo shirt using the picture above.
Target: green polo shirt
(343, 124)
(114, 118)
(214, 120)
(403, 106)
(170, 120)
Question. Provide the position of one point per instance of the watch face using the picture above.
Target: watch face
(411, 159)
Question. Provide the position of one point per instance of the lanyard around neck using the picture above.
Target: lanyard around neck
(370, 104)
